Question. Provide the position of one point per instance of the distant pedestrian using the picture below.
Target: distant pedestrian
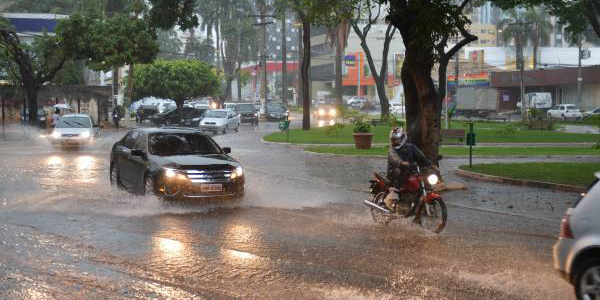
(55, 117)
(116, 116)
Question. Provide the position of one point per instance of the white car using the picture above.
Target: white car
(74, 130)
(220, 120)
(565, 111)
(577, 251)
(591, 113)
(396, 108)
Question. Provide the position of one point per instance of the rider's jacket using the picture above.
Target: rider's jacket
(408, 153)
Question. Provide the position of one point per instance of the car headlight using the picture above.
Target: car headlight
(321, 112)
(256, 114)
(237, 173)
(214, 106)
(196, 119)
(432, 179)
(332, 112)
(170, 173)
(85, 134)
(56, 134)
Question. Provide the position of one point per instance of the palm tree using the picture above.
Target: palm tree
(537, 25)
(541, 29)
(169, 44)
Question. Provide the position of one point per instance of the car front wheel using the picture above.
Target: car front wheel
(148, 186)
(115, 178)
(587, 280)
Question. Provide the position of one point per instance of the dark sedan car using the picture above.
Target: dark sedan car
(175, 163)
(247, 112)
(145, 112)
(191, 117)
(276, 112)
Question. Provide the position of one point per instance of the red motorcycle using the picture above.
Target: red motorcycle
(415, 199)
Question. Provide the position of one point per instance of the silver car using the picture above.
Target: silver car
(577, 251)
(74, 130)
(220, 120)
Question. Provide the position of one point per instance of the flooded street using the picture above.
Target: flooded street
(300, 232)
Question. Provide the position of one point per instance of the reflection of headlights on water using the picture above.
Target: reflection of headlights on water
(432, 179)
(237, 173)
(331, 122)
(56, 134)
(332, 112)
(321, 112)
(321, 123)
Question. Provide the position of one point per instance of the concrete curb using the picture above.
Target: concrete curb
(520, 182)
(454, 156)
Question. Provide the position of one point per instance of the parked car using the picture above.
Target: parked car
(74, 130)
(41, 117)
(220, 120)
(247, 113)
(144, 112)
(175, 163)
(397, 108)
(593, 112)
(577, 251)
(191, 116)
(276, 112)
(565, 111)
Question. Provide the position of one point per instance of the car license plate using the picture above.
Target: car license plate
(211, 187)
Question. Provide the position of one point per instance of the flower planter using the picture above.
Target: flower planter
(363, 140)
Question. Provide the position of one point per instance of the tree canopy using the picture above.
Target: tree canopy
(176, 79)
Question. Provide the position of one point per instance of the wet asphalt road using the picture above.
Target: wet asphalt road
(300, 232)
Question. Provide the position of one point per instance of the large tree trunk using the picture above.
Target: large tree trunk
(422, 106)
(304, 73)
(31, 92)
(338, 72)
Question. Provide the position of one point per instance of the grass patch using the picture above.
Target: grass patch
(487, 132)
(464, 151)
(578, 174)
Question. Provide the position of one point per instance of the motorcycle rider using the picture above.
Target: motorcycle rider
(400, 157)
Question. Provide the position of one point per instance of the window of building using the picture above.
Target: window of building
(278, 47)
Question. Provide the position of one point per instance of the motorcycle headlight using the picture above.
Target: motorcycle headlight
(56, 134)
(432, 179)
(321, 112)
(332, 112)
(85, 134)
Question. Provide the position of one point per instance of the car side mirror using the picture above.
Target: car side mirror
(227, 150)
(139, 153)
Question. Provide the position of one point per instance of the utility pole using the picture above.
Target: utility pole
(263, 23)
(283, 60)
(579, 79)
(456, 72)
(300, 54)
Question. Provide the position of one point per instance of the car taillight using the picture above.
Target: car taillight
(565, 228)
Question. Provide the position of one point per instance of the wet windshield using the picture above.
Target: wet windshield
(74, 122)
(216, 114)
(164, 144)
(245, 108)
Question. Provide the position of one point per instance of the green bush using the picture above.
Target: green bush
(334, 129)
(362, 127)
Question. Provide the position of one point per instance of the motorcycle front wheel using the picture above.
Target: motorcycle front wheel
(378, 216)
(433, 216)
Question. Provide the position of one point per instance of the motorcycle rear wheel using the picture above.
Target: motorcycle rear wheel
(435, 220)
(378, 216)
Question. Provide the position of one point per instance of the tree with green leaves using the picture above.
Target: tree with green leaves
(200, 49)
(89, 37)
(179, 80)
(169, 44)
(370, 11)
(538, 27)
(327, 13)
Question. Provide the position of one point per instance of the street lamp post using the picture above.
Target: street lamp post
(579, 79)
(264, 24)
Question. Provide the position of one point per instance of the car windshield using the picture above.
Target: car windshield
(74, 122)
(245, 108)
(216, 114)
(275, 108)
(164, 144)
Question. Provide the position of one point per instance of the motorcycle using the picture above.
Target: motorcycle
(415, 199)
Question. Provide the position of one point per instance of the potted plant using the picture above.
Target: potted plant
(362, 135)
